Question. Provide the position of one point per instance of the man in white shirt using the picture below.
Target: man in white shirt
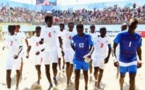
(68, 51)
(60, 53)
(93, 34)
(50, 39)
(22, 39)
(102, 51)
(37, 50)
(13, 59)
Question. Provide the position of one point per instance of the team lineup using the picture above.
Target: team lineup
(89, 52)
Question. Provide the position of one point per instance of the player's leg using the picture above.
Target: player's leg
(77, 66)
(38, 68)
(132, 75)
(8, 78)
(100, 77)
(70, 73)
(85, 72)
(85, 68)
(101, 71)
(21, 69)
(132, 81)
(77, 78)
(96, 69)
(67, 72)
(123, 71)
(59, 63)
(54, 68)
(18, 74)
(96, 63)
(90, 68)
(121, 81)
(47, 62)
(54, 60)
(63, 66)
(47, 71)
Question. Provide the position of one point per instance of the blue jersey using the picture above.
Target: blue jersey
(128, 46)
(82, 46)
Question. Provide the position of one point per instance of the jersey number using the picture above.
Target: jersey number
(69, 37)
(130, 44)
(49, 34)
(11, 43)
(37, 43)
(101, 45)
(81, 45)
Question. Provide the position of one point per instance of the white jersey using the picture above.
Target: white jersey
(101, 45)
(22, 37)
(34, 43)
(93, 35)
(49, 34)
(67, 35)
(12, 43)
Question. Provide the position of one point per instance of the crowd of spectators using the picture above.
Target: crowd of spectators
(110, 15)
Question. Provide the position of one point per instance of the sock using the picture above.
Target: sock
(54, 78)
(51, 84)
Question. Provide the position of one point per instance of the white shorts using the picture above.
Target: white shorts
(59, 53)
(99, 62)
(68, 55)
(38, 59)
(21, 55)
(50, 57)
(11, 62)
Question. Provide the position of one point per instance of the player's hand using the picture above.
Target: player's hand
(106, 60)
(41, 42)
(37, 53)
(27, 56)
(15, 56)
(42, 50)
(116, 64)
(89, 56)
(139, 64)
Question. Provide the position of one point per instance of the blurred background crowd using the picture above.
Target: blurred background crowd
(110, 15)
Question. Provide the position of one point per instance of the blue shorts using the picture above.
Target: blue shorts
(80, 65)
(131, 69)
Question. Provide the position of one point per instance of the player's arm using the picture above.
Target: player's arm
(28, 50)
(19, 51)
(116, 42)
(26, 41)
(109, 53)
(60, 41)
(114, 49)
(91, 44)
(139, 53)
(72, 44)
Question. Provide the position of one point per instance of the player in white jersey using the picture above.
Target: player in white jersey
(14, 47)
(68, 52)
(37, 50)
(22, 38)
(101, 57)
(93, 34)
(50, 40)
(60, 52)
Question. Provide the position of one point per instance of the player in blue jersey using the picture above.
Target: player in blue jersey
(130, 46)
(82, 44)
